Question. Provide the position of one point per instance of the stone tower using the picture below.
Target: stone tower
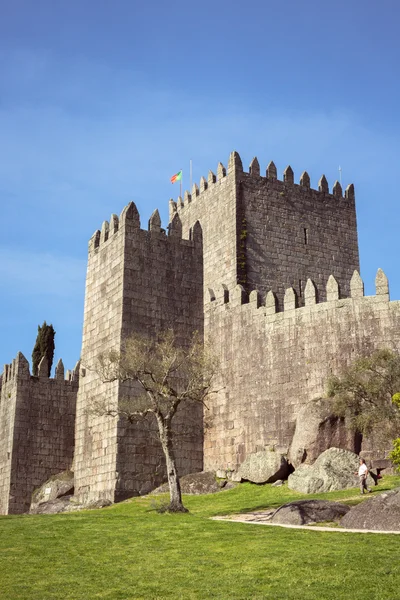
(37, 421)
(268, 234)
(137, 281)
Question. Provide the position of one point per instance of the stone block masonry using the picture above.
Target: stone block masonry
(37, 421)
(269, 234)
(293, 233)
(260, 266)
(137, 281)
(273, 363)
(214, 206)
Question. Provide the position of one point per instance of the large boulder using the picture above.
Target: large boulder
(318, 429)
(333, 470)
(381, 512)
(302, 512)
(57, 486)
(264, 467)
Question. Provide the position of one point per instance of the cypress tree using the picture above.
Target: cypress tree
(44, 346)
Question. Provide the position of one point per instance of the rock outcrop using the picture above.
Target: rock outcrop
(66, 504)
(317, 430)
(57, 486)
(264, 467)
(380, 512)
(56, 496)
(333, 470)
(303, 512)
(52, 507)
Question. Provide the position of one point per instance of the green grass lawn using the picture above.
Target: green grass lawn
(130, 551)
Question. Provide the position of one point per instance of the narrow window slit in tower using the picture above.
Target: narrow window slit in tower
(305, 236)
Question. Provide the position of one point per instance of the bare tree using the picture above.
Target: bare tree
(165, 374)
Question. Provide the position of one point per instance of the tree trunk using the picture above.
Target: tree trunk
(173, 479)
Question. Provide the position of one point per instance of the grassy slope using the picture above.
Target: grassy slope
(130, 551)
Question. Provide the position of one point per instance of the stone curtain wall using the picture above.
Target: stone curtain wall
(137, 281)
(272, 363)
(37, 420)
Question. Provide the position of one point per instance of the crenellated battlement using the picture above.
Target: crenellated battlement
(235, 168)
(221, 298)
(113, 229)
(19, 370)
(109, 229)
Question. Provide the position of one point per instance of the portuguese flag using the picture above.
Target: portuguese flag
(176, 177)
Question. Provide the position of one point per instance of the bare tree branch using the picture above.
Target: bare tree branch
(166, 375)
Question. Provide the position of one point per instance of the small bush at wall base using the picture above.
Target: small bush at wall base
(395, 454)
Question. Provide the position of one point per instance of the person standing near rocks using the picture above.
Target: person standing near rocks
(363, 474)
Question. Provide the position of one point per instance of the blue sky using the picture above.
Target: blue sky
(101, 102)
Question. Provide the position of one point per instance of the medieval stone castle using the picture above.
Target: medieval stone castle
(265, 269)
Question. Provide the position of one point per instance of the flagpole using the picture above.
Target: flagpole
(180, 187)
